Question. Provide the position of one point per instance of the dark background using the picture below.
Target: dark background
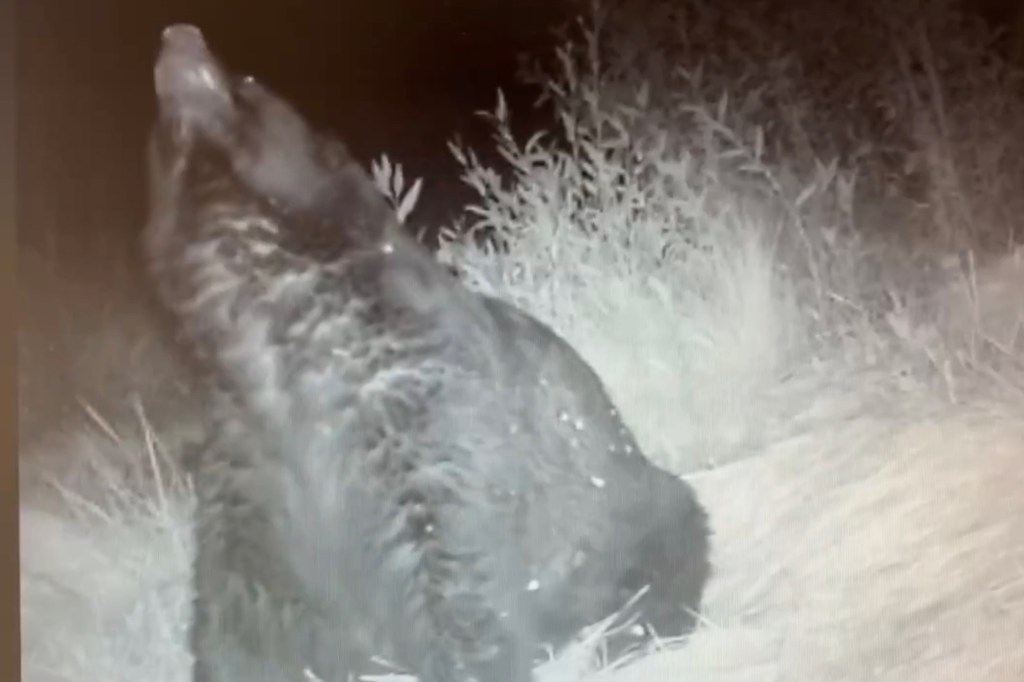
(390, 76)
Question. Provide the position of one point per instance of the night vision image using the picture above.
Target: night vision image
(548, 341)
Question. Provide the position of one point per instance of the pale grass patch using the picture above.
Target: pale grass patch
(878, 548)
(106, 549)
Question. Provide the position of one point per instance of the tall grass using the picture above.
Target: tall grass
(106, 547)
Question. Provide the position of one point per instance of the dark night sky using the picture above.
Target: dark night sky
(395, 76)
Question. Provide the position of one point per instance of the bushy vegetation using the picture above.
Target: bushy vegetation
(734, 193)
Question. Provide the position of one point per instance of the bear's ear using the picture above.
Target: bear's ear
(193, 90)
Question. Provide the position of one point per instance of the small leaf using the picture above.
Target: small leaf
(806, 194)
(534, 141)
(409, 201)
(501, 112)
(398, 181)
(457, 152)
(723, 105)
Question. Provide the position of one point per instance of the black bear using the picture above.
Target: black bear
(397, 467)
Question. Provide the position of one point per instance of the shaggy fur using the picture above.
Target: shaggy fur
(397, 466)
